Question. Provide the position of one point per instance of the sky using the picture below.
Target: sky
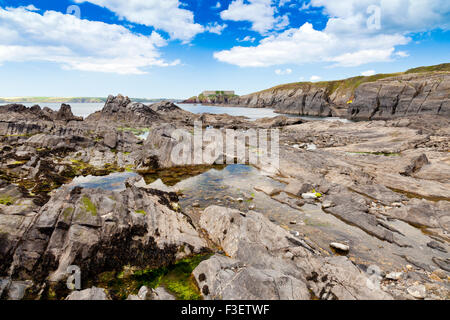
(177, 49)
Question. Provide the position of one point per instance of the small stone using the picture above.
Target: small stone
(395, 276)
(295, 233)
(300, 203)
(288, 255)
(272, 219)
(409, 267)
(144, 293)
(240, 200)
(309, 196)
(327, 204)
(340, 247)
(252, 207)
(297, 188)
(270, 191)
(418, 292)
(293, 222)
(436, 246)
(196, 205)
(441, 274)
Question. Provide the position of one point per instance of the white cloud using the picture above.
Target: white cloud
(246, 39)
(162, 14)
(397, 16)
(216, 28)
(76, 44)
(261, 13)
(346, 40)
(368, 73)
(402, 54)
(281, 72)
(218, 5)
(283, 2)
(315, 78)
(305, 45)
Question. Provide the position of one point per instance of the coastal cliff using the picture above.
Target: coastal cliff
(424, 90)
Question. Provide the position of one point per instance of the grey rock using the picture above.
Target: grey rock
(416, 164)
(70, 230)
(269, 190)
(418, 291)
(297, 188)
(340, 246)
(92, 294)
(161, 294)
(394, 276)
(256, 265)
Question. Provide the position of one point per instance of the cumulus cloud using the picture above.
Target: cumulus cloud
(216, 28)
(397, 16)
(348, 38)
(246, 39)
(76, 44)
(261, 14)
(315, 78)
(368, 73)
(281, 72)
(306, 45)
(166, 15)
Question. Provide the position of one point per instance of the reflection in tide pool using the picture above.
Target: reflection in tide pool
(251, 113)
(112, 182)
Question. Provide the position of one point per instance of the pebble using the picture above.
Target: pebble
(272, 219)
(293, 222)
(394, 276)
(252, 207)
(440, 274)
(240, 200)
(418, 292)
(196, 205)
(295, 233)
(309, 196)
(327, 204)
(340, 247)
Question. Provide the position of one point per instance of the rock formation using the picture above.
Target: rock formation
(385, 96)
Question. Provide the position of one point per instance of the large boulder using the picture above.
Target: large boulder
(97, 231)
(120, 111)
(265, 261)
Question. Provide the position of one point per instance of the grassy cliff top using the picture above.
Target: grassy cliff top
(354, 82)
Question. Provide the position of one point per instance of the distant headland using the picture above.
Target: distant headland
(69, 99)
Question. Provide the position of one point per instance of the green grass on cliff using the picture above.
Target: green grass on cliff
(437, 68)
(351, 84)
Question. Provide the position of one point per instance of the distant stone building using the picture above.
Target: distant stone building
(218, 92)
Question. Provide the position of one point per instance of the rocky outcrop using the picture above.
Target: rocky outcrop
(96, 230)
(264, 261)
(19, 112)
(121, 110)
(404, 95)
(385, 96)
(304, 99)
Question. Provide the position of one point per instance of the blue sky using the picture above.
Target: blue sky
(176, 49)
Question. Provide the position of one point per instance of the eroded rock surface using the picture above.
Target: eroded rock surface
(264, 261)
